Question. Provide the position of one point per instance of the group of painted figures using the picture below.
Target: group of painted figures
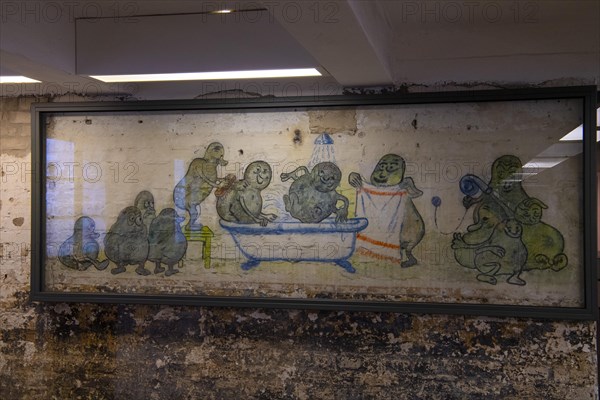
(138, 235)
(312, 196)
(506, 238)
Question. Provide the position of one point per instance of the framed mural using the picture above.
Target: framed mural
(479, 202)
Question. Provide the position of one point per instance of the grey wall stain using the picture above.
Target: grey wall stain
(18, 221)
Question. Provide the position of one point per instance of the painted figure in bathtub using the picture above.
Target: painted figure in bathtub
(312, 196)
(241, 201)
(389, 174)
(197, 184)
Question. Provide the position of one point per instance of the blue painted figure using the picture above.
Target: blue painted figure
(81, 250)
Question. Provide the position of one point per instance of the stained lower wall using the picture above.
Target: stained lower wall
(90, 351)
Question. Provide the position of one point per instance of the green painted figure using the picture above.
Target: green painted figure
(504, 202)
(242, 201)
(167, 244)
(501, 254)
(312, 196)
(198, 183)
(126, 243)
(545, 243)
(389, 172)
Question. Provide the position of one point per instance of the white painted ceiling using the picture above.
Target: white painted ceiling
(419, 45)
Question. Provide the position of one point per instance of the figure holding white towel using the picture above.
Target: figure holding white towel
(395, 225)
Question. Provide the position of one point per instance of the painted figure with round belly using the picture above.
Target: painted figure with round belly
(242, 202)
(312, 196)
(389, 172)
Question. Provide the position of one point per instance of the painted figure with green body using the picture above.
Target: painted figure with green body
(145, 202)
(241, 201)
(502, 253)
(197, 184)
(389, 173)
(167, 244)
(312, 196)
(545, 244)
(500, 203)
(126, 242)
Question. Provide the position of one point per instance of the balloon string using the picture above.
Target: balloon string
(455, 229)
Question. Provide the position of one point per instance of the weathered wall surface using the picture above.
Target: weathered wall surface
(83, 351)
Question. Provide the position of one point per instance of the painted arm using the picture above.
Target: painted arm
(294, 174)
(267, 217)
(202, 173)
(411, 188)
(497, 250)
(341, 214)
(355, 180)
(262, 219)
(458, 242)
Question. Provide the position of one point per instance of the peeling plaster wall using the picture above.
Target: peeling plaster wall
(86, 351)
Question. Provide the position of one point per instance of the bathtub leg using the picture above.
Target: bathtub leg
(250, 264)
(346, 265)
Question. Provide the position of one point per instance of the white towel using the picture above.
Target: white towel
(384, 208)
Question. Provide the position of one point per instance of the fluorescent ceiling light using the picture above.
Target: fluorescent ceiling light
(222, 12)
(201, 76)
(17, 79)
(577, 133)
(544, 163)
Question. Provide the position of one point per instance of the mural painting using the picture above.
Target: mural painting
(387, 198)
(312, 196)
(166, 242)
(241, 201)
(81, 250)
(198, 183)
(291, 212)
(507, 235)
(126, 242)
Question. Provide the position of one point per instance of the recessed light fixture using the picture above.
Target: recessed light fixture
(17, 79)
(200, 76)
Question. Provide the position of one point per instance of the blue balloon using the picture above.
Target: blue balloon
(470, 185)
(436, 201)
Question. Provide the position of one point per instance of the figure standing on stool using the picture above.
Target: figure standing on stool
(198, 183)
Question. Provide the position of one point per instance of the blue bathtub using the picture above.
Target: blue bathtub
(294, 241)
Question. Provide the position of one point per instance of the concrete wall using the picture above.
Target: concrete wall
(85, 351)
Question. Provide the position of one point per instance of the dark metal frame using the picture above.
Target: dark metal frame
(587, 94)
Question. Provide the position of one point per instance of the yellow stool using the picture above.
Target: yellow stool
(205, 236)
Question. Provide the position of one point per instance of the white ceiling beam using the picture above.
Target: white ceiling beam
(333, 35)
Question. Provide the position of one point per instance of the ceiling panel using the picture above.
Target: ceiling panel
(186, 43)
